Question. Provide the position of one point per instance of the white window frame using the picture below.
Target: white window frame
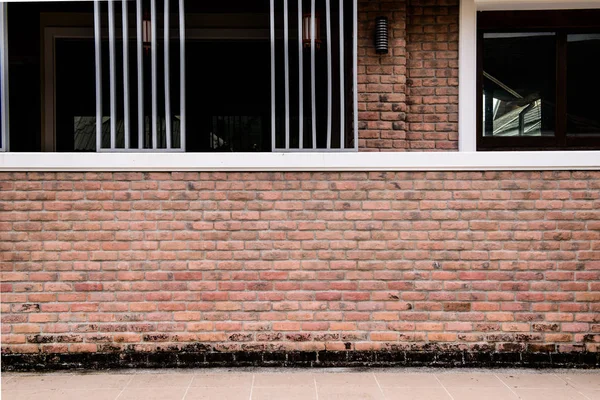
(4, 126)
(467, 90)
(467, 159)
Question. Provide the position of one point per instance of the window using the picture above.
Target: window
(182, 76)
(538, 81)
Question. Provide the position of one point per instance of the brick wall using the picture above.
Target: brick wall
(382, 79)
(112, 262)
(433, 75)
(408, 99)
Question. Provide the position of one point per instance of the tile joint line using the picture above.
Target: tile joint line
(378, 385)
(252, 386)
(571, 386)
(505, 384)
(446, 389)
(125, 387)
(188, 387)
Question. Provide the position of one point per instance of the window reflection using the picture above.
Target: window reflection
(519, 73)
(583, 84)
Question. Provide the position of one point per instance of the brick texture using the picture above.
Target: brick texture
(107, 262)
(382, 79)
(433, 75)
(408, 99)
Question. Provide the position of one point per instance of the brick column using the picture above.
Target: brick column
(382, 78)
(432, 32)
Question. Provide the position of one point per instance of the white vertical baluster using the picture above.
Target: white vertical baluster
(272, 27)
(126, 71)
(286, 37)
(154, 73)
(329, 72)
(355, 69)
(140, 74)
(313, 84)
(300, 77)
(342, 83)
(113, 74)
(98, 49)
(182, 116)
(167, 64)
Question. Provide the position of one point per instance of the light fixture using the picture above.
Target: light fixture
(307, 31)
(381, 35)
(147, 32)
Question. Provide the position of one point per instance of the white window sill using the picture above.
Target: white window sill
(493, 5)
(454, 161)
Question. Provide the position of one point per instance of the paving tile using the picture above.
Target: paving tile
(61, 394)
(160, 380)
(476, 380)
(218, 393)
(69, 381)
(9, 383)
(549, 394)
(154, 393)
(284, 380)
(349, 392)
(222, 380)
(584, 380)
(533, 381)
(590, 394)
(407, 380)
(487, 393)
(416, 393)
(283, 393)
(6, 378)
(41, 382)
(328, 378)
(12, 394)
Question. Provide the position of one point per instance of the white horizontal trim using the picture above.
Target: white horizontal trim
(489, 5)
(451, 161)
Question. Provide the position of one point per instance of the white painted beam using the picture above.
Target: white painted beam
(334, 162)
(535, 4)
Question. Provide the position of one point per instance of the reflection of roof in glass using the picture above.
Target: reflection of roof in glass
(509, 124)
(85, 133)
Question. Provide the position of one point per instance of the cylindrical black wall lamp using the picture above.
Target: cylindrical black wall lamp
(381, 35)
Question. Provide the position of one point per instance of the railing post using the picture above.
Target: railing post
(98, 52)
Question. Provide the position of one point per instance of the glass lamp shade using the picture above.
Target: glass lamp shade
(307, 30)
(146, 32)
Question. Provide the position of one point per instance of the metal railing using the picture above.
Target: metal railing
(344, 143)
(153, 140)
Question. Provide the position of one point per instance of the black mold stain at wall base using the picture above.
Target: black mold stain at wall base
(320, 359)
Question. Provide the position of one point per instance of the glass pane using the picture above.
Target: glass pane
(583, 84)
(519, 84)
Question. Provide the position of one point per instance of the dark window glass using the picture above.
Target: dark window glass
(583, 84)
(519, 84)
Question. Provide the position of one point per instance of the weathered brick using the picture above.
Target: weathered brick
(381, 267)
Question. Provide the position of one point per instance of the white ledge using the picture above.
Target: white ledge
(449, 161)
(493, 5)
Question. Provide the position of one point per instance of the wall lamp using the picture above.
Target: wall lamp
(307, 30)
(381, 35)
(147, 32)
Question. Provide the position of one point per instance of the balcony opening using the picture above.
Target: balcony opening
(228, 78)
